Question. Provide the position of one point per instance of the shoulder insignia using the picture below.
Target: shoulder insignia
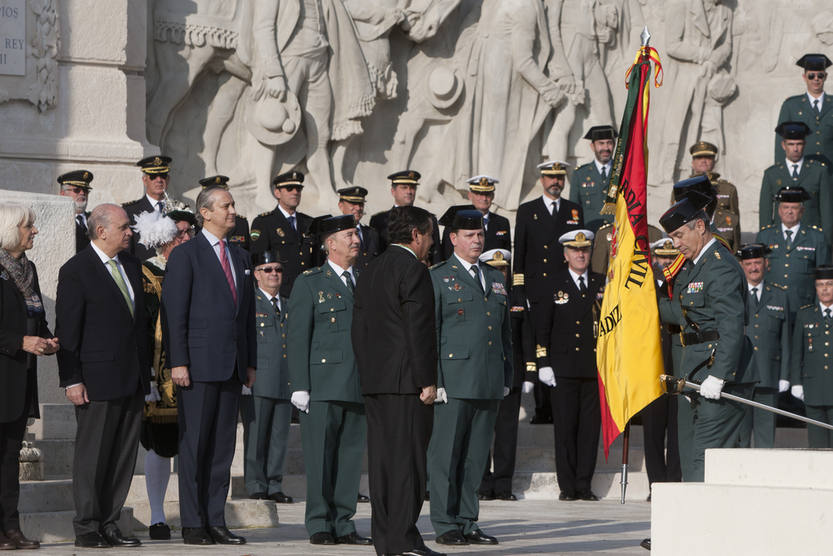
(438, 265)
(810, 306)
(768, 226)
(241, 217)
(311, 271)
(779, 286)
(608, 225)
(815, 227)
(267, 213)
(131, 203)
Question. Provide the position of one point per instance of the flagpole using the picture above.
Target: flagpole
(626, 435)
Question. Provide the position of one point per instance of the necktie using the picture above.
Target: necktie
(80, 219)
(795, 172)
(816, 106)
(275, 305)
(582, 287)
(160, 207)
(604, 173)
(348, 280)
(475, 272)
(361, 237)
(754, 293)
(554, 209)
(827, 314)
(114, 272)
(789, 236)
(485, 222)
(292, 222)
(227, 270)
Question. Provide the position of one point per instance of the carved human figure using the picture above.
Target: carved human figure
(699, 35)
(374, 21)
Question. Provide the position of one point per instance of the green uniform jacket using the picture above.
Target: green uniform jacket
(321, 356)
(769, 331)
(474, 335)
(710, 296)
(793, 268)
(589, 189)
(812, 355)
(820, 140)
(815, 179)
(272, 362)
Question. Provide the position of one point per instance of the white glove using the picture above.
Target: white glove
(527, 387)
(547, 376)
(797, 391)
(246, 391)
(783, 385)
(711, 387)
(442, 397)
(153, 396)
(505, 391)
(300, 399)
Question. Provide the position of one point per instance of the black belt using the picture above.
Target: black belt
(691, 338)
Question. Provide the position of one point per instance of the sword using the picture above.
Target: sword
(676, 385)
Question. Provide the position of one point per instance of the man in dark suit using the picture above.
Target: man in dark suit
(394, 300)
(209, 307)
(565, 335)
(538, 255)
(286, 230)
(481, 195)
(103, 364)
(403, 186)
(239, 235)
(76, 186)
(351, 201)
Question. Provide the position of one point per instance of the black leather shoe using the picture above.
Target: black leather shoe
(19, 540)
(588, 496)
(5, 543)
(507, 496)
(353, 538)
(221, 535)
(421, 552)
(160, 532)
(196, 535)
(91, 540)
(566, 496)
(485, 496)
(362, 498)
(646, 544)
(258, 496)
(280, 498)
(113, 536)
(452, 538)
(322, 537)
(479, 537)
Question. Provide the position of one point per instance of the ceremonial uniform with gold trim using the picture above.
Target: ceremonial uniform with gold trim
(814, 178)
(272, 231)
(812, 367)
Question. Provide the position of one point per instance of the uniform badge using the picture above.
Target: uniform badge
(457, 287)
(805, 248)
(321, 297)
(460, 312)
(329, 295)
(261, 315)
(695, 287)
(497, 287)
(774, 308)
(561, 298)
(280, 232)
(535, 216)
(254, 234)
(501, 232)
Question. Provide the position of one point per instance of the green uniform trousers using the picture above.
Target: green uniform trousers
(716, 424)
(819, 437)
(758, 422)
(265, 436)
(457, 457)
(333, 435)
(685, 416)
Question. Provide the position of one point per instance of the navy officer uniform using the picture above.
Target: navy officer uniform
(82, 179)
(370, 243)
(495, 226)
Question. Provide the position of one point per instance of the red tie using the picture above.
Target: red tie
(227, 270)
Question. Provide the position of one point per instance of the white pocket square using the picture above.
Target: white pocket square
(247, 271)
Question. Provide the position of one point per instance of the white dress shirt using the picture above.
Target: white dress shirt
(703, 250)
(812, 99)
(794, 231)
(575, 278)
(105, 259)
(215, 244)
(758, 287)
(824, 307)
(153, 202)
(607, 167)
(548, 201)
(269, 296)
(340, 273)
(468, 266)
(790, 164)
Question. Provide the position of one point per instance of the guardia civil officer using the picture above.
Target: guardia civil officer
(286, 230)
(726, 216)
(565, 338)
(812, 381)
(481, 194)
(794, 249)
(708, 303)
(240, 234)
(351, 200)
(324, 380)
(76, 186)
(589, 183)
(812, 108)
(475, 373)
(812, 175)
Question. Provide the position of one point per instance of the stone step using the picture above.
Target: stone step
(56, 526)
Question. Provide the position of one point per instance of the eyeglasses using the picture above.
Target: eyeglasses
(820, 75)
(75, 189)
(269, 269)
(189, 232)
(164, 176)
(291, 187)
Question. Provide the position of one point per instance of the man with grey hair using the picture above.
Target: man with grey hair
(103, 365)
(208, 301)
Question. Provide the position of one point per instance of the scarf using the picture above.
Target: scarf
(23, 275)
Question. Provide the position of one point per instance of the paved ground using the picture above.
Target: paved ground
(523, 527)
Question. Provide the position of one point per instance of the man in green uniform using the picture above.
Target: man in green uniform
(813, 108)
(799, 171)
(708, 303)
(589, 183)
(768, 328)
(324, 380)
(475, 373)
(811, 355)
(795, 249)
(727, 212)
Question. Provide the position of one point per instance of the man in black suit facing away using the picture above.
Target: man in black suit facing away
(102, 363)
(208, 303)
(394, 301)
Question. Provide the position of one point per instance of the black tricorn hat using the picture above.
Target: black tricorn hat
(684, 211)
(811, 62)
(792, 195)
(792, 130)
(824, 272)
(467, 219)
(215, 181)
(700, 183)
(599, 132)
(325, 225)
(753, 251)
(265, 257)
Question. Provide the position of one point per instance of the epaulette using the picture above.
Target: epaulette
(816, 227)
(267, 213)
(608, 225)
(768, 226)
(312, 271)
(779, 286)
(433, 266)
(241, 216)
(131, 203)
(808, 306)
(584, 166)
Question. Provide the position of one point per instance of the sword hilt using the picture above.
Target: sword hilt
(672, 385)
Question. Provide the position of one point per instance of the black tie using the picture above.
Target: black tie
(485, 222)
(789, 234)
(277, 308)
(160, 207)
(348, 280)
(361, 237)
(80, 219)
(582, 287)
(827, 314)
(555, 209)
(795, 172)
(816, 106)
(754, 293)
(604, 173)
(475, 272)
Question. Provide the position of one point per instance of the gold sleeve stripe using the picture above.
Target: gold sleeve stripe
(518, 279)
(530, 367)
(540, 351)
